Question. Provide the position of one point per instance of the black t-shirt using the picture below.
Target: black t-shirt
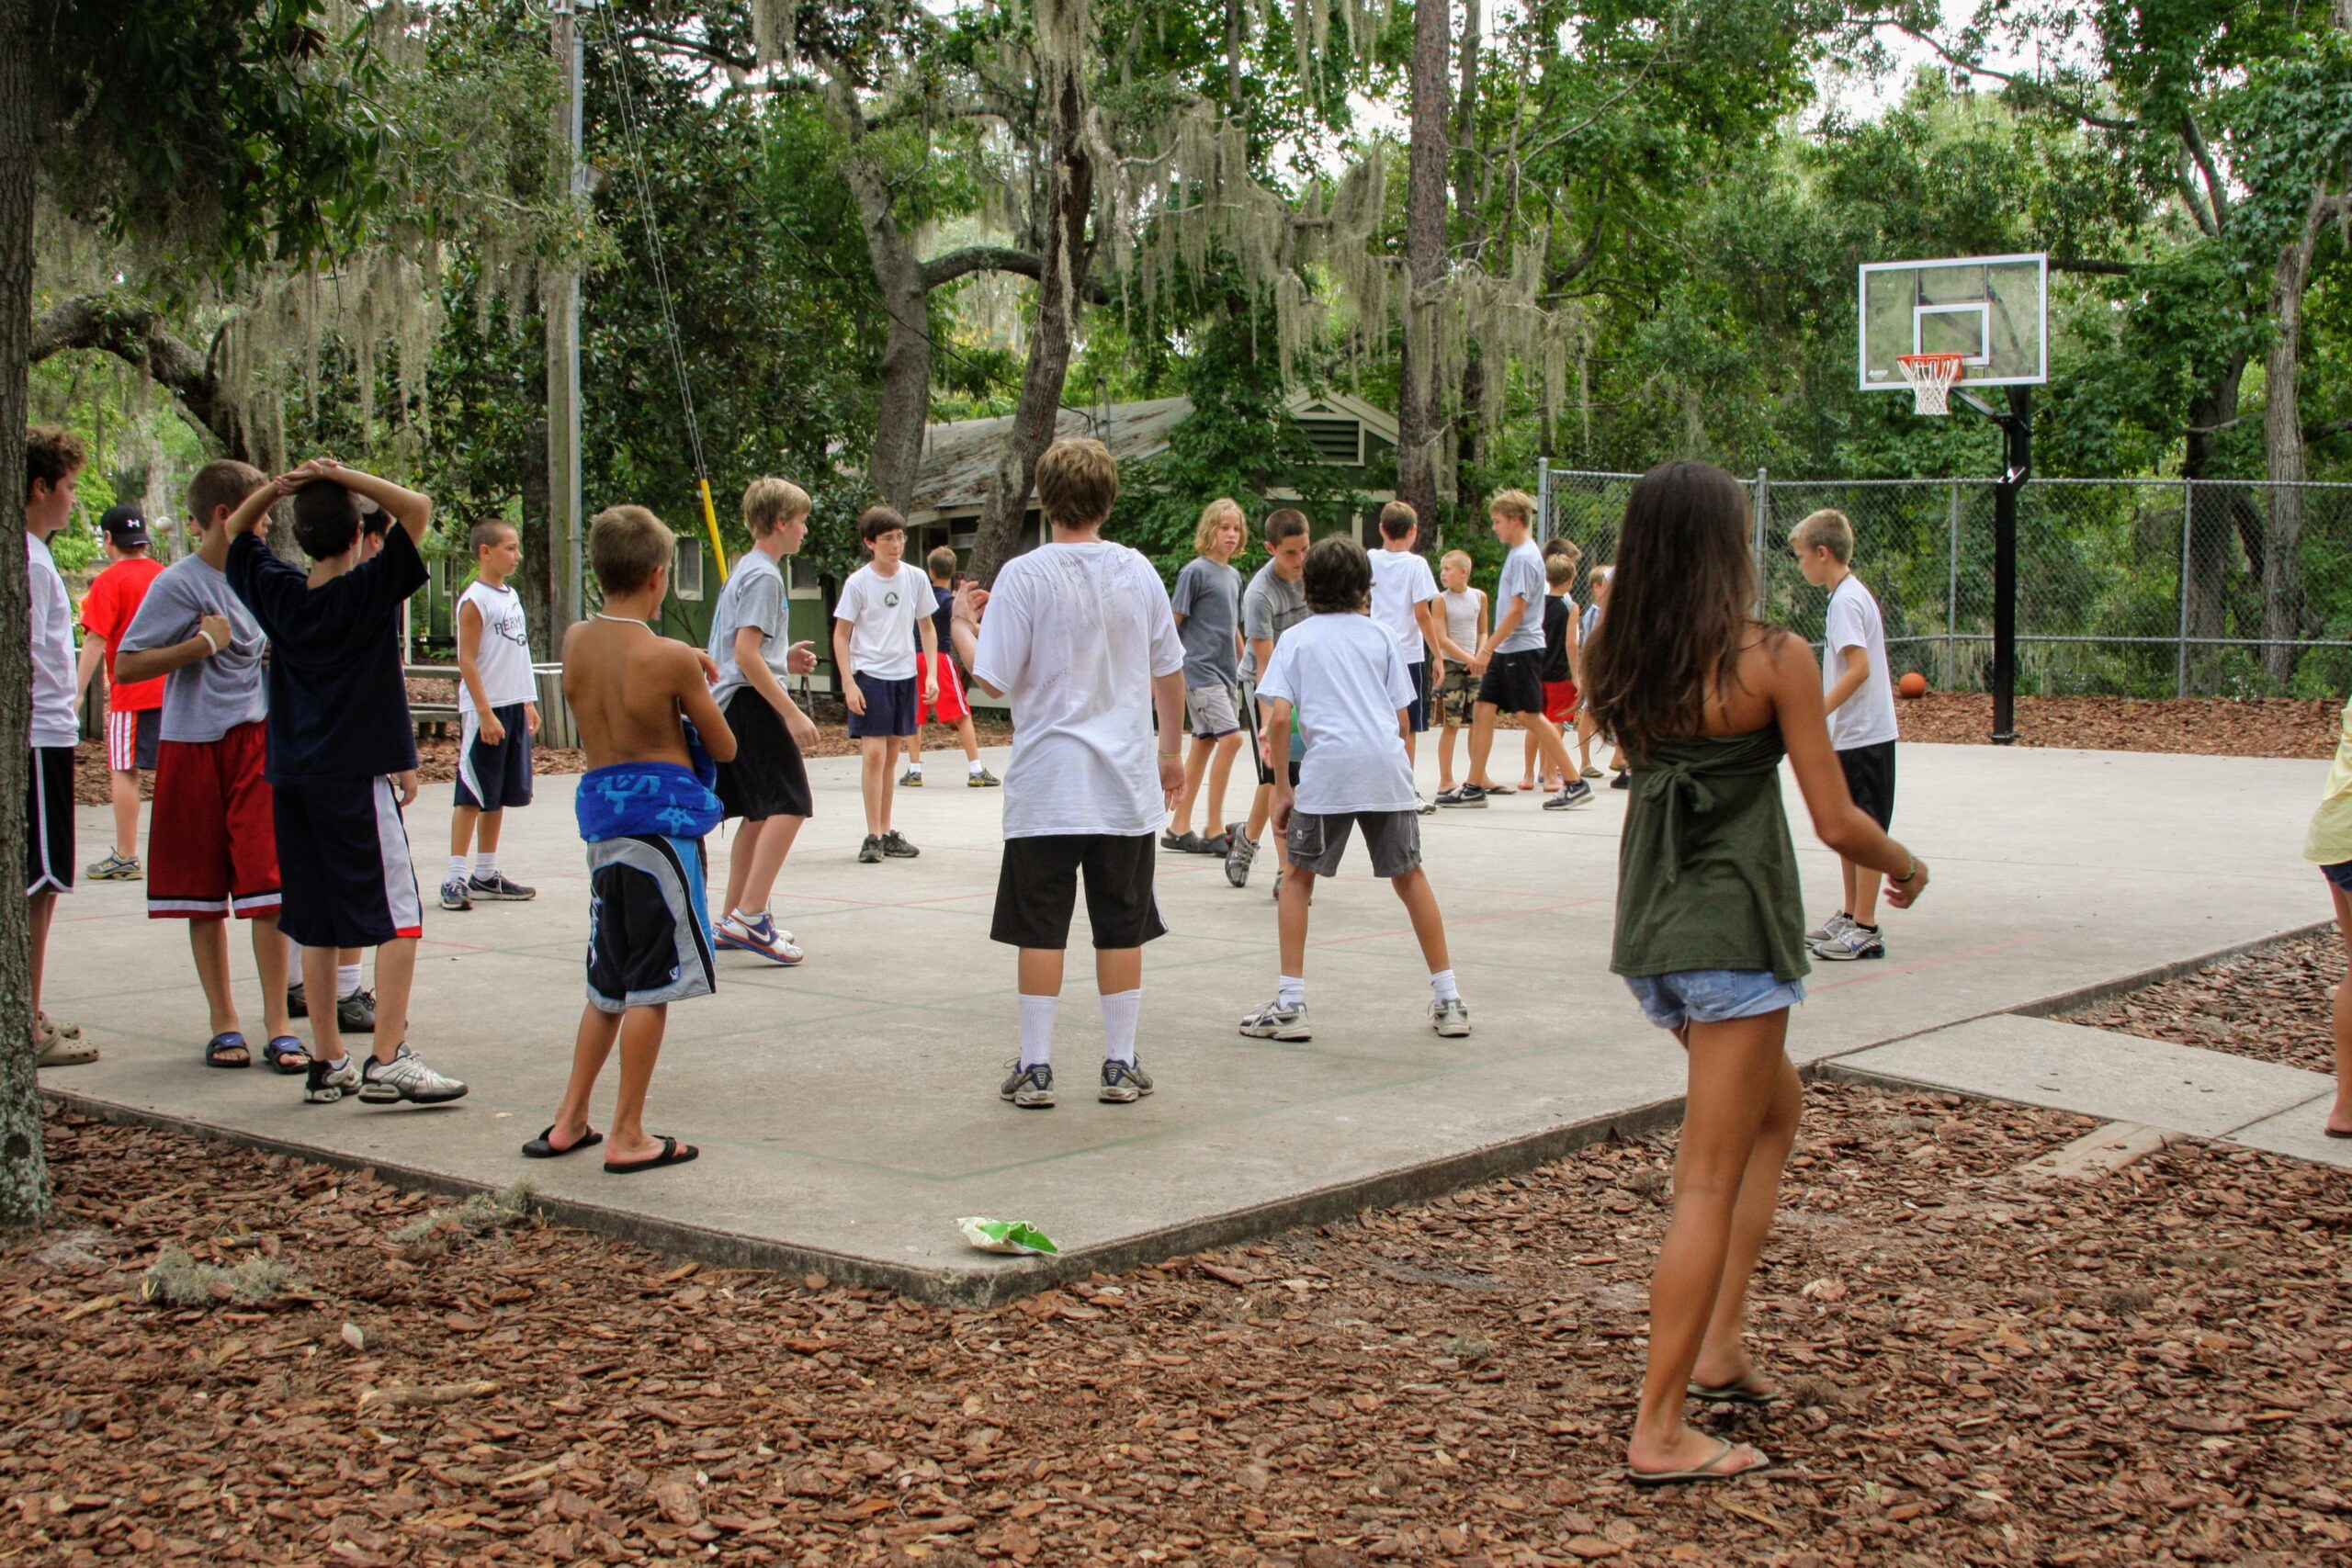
(338, 705)
(1555, 638)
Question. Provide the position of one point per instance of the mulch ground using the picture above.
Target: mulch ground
(2146, 1370)
(2275, 1003)
(2216, 727)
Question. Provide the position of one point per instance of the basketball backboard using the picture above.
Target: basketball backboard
(1994, 310)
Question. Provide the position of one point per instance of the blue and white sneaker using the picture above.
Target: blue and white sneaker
(454, 896)
(1123, 1083)
(1030, 1088)
(499, 888)
(760, 936)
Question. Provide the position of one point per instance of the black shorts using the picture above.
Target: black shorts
(1417, 711)
(1869, 779)
(1036, 890)
(343, 875)
(1514, 681)
(767, 777)
(49, 820)
(889, 708)
(493, 777)
(648, 938)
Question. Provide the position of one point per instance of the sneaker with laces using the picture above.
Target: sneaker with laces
(983, 779)
(1240, 851)
(895, 845)
(1450, 1018)
(324, 1085)
(1857, 941)
(1123, 1083)
(1275, 1022)
(406, 1077)
(1462, 794)
(1424, 806)
(498, 887)
(870, 852)
(453, 894)
(759, 936)
(910, 779)
(356, 1013)
(1577, 793)
(114, 868)
(1030, 1088)
(1828, 928)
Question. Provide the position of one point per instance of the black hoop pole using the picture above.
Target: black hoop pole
(2017, 430)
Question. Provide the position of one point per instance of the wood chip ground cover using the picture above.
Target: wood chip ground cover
(2146, 1370)
(2275, 1003)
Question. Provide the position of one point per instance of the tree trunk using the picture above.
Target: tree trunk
(1478, 386)
(1418, 428)
(24, 1173)
(2212, 561)
(902, 406)
(1061, 280)
(2282, 443)
(1234, 18)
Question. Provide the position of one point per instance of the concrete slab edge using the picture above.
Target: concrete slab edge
(2107, 990)
(993, 1283)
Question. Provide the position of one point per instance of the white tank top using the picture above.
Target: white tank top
(503, 655)
(1462, 615)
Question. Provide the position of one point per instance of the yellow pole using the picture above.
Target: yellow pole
(710, 521)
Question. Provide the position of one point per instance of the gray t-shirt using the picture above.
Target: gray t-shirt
(754, 597)
(1271, 607)
(1523, 580)
(205, 700)
(1208, 595)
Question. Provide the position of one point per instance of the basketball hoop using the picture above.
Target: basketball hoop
(1931, 377)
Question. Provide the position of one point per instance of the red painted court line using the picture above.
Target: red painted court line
(443, 941)
(2026, 941)
(1464, 920)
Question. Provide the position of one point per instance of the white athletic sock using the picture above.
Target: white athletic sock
(1038, 1029)
(346, 980)
(456, 869)
(1120, 1010)
(1290, 990)
(486, 864)
(972, 766)
(915, 768)
(1442, 982)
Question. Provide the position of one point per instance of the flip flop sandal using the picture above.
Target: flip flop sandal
(217, 1051)
(1706, 1471)
(2333, 1134)
(539, 1149)
(64, 1051)
(1744, 1392)
(672, 1153)
(287, 1053)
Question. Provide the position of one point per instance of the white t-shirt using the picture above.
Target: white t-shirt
(1073, 635)
(882, 612)
(504, 652)
(1344, 680)
(1867, 717)
(1401, 584)
(51, 614)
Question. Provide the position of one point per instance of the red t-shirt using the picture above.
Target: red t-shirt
(106, 612)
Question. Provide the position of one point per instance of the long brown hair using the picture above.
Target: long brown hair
(1679, 601)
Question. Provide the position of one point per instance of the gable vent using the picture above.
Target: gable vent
(1335, 437)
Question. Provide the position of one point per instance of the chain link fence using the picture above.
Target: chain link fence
(2145, 587)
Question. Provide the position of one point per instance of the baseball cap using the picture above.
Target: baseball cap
(124, 526)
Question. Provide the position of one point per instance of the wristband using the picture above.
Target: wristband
(209, 642)
(1910, 875)
(1171, 754)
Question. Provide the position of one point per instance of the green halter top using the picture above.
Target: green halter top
(1706, 876)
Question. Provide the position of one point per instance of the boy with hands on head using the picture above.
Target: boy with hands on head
(343, 756)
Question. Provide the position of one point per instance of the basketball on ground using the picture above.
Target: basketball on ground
(1914, 685)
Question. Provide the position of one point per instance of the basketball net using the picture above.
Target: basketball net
(1931, 377)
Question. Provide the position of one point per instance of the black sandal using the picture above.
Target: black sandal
(539, 1149)
(228, 1050)
(672, 1153)
(287, 1053)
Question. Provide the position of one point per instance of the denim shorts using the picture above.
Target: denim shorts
(2340, 874)
(1711, 996)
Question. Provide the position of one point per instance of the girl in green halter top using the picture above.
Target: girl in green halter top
(1710, 926)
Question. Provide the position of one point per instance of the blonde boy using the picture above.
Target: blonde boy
(1858, 690)
(1206, 603)
(497, 713)
(1510, 661)
(1465, 608)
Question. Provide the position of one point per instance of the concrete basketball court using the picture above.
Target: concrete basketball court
(847, 1109)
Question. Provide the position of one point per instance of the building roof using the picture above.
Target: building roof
(959, 459)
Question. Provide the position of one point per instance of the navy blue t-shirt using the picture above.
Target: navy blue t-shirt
(338, 704)
(941, 619)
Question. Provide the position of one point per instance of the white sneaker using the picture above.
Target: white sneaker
(1450, 1018)
(1275, 1022)
(1856, 940)
(325, 1084)
(1828, 928)
(406, 1077)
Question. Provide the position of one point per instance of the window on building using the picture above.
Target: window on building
(686, 579)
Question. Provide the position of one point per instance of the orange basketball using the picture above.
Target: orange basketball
(1914, 685)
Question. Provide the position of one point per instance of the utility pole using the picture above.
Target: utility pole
(561, 300)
